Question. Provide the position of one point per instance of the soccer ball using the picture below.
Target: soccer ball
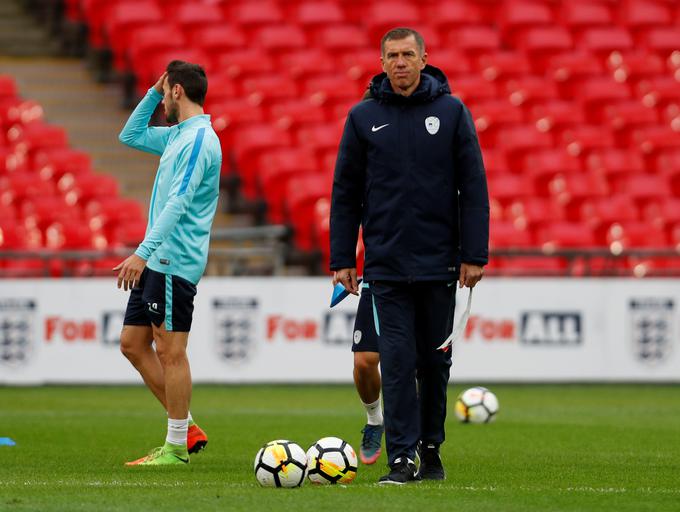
(330, 461)
(281, 463)
(476, 405)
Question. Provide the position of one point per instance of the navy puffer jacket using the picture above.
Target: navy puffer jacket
(410, 171)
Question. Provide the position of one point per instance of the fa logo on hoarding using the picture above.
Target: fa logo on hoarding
(17, 321)
(652, 329)
(235, 327)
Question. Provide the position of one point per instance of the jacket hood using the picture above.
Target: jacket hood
(433, 83)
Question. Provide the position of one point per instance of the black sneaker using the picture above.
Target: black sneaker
(402, 471)
(430, 462)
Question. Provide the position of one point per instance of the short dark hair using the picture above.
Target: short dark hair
(191, 77)
(403, 33)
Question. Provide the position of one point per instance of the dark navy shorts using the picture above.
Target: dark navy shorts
(159, 298)
(366, 326)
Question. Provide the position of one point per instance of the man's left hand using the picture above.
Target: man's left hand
(130, 271)
(470, 275)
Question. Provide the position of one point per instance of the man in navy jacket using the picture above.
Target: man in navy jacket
(410, 171)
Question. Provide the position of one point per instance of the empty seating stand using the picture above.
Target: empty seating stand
(577, 102)
(52, 202)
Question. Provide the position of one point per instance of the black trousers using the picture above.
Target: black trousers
(414, 319)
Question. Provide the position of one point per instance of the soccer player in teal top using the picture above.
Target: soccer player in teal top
(163, 272)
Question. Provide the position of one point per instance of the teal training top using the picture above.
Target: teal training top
(185, 190)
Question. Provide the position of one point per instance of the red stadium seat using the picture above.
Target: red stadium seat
(531, 213)
(634, 65)
(475, 39)
(641, 14)
(312, 15)
(585, 138)
(71, 236)
(130, 234)
(473, 89)
(606, 40)
(580, 15)
(241, 63)
(453, 63)
(320, 138)
(144, 44)
(303, 64)
(195, 18)
(600, 214)
(383, 15)
(281, 37)
(663, 214)
(277, 168)
(571, 190)
(518, 15)
(229, 116)
(626, 235)
(52, 164)
(302, 194)
(505, 235)
(249, 143)
(296, 113)
(324, 90)
(255, 14)
(540, 43)
(264, 90)
(502, 65)
(106, 214)
(222, 88)
(615, 164)
(556, 115)
(38, 213)
(8, 88)
(214, 40)
(17, 187)
(568, 67)
(123, 18)
(645, 186)
(87, 187)
(35, 136)
(451, 15)
(495, 162)
(653, 139)
(491, 115)
(662, 40)
(342, 38)
(508, 188)
(658, 91)
(519, 140)
(566, 235)
(529, 90)
(543, 165)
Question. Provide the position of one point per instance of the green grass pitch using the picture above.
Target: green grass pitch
(554, 447)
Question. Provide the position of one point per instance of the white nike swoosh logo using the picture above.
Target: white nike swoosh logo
(375, 128)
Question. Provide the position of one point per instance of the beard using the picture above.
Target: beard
(172, 114)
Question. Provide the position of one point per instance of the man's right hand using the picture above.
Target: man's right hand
(159, 84)
(348, 278)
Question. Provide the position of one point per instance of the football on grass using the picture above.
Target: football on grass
(330, 461)
(280, 463)
(476, 405)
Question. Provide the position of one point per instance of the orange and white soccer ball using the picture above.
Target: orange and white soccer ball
(281, 463)
(331, 461)
(476, 405)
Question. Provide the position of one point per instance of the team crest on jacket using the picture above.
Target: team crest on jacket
(432, 125)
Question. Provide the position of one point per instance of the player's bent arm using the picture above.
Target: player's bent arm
(192, 163)
(138, 134)
(347, 198)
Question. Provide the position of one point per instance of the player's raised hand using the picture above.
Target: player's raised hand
(159, 84)
(348, 278)
(129, 271)
(470, 275)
